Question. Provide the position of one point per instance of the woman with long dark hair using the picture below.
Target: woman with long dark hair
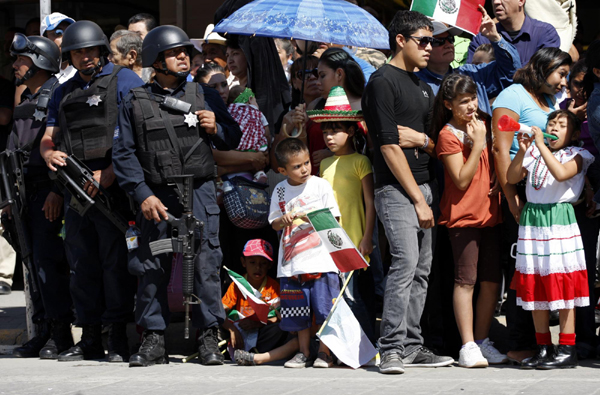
(529, 100)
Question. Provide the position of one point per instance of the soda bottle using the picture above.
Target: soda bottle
(131, 236)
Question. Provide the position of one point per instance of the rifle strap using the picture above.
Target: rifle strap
(172, 134)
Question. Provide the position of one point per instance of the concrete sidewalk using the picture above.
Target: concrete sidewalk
(35, 376)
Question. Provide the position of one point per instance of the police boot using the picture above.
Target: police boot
(60, 340)
(208, 351)
(32, 348)
(90, 346)
(565, 357)
(152, 351)
(118, 346)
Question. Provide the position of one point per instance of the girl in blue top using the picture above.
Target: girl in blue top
(528, 101)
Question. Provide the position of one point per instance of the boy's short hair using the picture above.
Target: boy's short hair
(407, 23)
(572, 119)
(288, 148)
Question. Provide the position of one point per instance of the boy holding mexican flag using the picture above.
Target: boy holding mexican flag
(251, 302)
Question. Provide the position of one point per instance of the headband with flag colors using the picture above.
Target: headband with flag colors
(462, 14)
(337, 108)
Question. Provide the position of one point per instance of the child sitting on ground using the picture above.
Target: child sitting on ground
(255, 127)
(247, 332)
(308, 276)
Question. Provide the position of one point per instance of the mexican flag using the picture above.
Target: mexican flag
(342, 334)
(462, 14)
(343, 252)
(254, 298)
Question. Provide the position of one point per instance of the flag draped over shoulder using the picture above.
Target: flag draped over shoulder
(343, 252)
(343, 335)
(254, 298)
(462, 14)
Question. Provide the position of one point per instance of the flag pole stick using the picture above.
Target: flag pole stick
(337, 300)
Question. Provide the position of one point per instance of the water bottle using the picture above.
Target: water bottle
(131, 236)
(227, 187)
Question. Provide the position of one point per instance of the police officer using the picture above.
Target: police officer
(37, 60)
(82, 122)
(155, 142)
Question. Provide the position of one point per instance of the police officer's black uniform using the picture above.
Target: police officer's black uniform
(101, 287)
(156, 142)
(52, 305)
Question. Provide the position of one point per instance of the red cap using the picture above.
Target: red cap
(258, 247)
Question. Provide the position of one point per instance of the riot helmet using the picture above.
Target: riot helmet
(44, 54)
(160, 39)
(85, 34)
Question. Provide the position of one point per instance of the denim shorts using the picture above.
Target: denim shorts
(299, 300)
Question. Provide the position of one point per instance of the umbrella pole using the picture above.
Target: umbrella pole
(304, 70)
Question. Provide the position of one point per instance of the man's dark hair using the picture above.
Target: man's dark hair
(288, 148)
(148, 20)
(572, 120)
(407, 23)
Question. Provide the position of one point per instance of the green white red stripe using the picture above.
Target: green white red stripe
(343, 252)
(254, 298)
(462, 14)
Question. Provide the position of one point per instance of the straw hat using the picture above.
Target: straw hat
(337, 109)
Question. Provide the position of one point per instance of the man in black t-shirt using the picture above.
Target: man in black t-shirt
(395, 99)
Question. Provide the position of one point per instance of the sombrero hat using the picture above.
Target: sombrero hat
(337, 109)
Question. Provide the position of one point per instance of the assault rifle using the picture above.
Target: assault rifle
(73, 177)
(12, 194)
(182, 241)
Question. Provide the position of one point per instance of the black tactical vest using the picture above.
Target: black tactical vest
(166, 145)
(30, 123)
(88, 118)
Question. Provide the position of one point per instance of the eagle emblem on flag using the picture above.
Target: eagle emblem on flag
(448, 6)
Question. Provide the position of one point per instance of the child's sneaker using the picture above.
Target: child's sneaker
(261, 177)
(323, 361)
(298, 362)
(470, 356)
(491, 353)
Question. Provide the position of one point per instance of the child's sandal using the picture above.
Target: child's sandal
(244, 358)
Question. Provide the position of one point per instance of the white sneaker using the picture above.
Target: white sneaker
(493, 356)
(470, 357)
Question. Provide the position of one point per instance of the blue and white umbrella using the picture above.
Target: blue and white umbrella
(328, 21)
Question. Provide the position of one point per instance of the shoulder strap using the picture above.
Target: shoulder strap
(45, 93)
(144, 98)
(104, 82)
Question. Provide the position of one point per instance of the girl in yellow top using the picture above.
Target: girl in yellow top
(351, 177)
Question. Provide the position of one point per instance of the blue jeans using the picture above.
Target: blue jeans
(412, 251)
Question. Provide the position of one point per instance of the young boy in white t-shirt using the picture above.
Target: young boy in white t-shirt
(307, 283)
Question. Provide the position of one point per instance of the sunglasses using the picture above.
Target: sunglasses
(440, 41)
(307, 73)
(59, 32)
(424, 41)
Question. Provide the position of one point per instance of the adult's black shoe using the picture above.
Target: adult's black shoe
(544, 353)
(565, 357)
(118, 346)
(208, 350)
(61, 340)
(152, 351)
(90, 346)
(32, 348)
(5, 289)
